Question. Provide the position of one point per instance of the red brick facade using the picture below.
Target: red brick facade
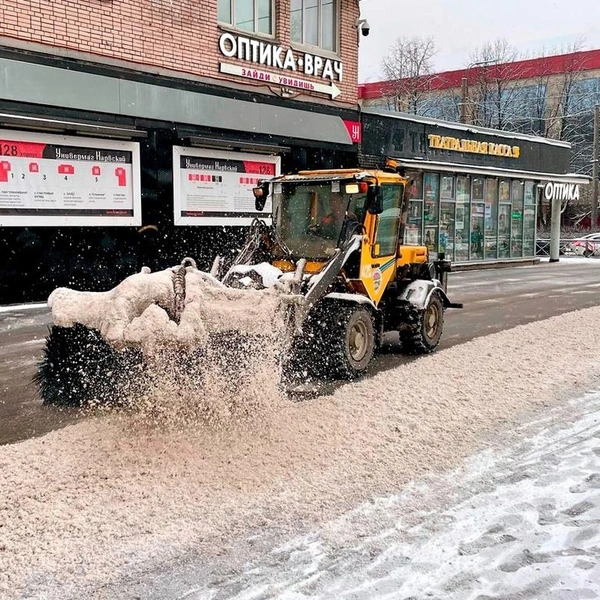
(173, 36)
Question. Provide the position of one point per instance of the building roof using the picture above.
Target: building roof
(587, 60)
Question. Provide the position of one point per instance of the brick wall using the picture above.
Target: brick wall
(176, 35)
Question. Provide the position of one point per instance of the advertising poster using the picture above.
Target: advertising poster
(447, 188)
(53, 180)
(430, 239)
(214, 187)
(431, 183)
(463, 189)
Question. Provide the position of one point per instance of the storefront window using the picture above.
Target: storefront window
(529, 219)
(431, 190)
(491, 217)
(415, 186)
(463, 189)
(413, 234)
(504, 216)
(447, 188)
(517, 218)
(447, 227)
(478, 184)
(313, 22)
(248, 15)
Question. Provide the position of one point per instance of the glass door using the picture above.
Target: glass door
(461, 220)
(529, 219)
(477, 219)
(491, 218)
(518, 188)
(477, 223)
(504, 212)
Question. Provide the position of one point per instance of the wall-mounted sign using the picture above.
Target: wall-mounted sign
(441, 142)
(561, 191)
(284, 80)
(52, 180)
(213, 187)
(354, 130)
(272, 56)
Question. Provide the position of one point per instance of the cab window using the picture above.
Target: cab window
(388, 222)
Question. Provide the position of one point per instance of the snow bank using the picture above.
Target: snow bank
(109, 496)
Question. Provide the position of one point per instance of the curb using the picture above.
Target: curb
(500, 264)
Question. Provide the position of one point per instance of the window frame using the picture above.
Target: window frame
(254, 31)
(336, 26)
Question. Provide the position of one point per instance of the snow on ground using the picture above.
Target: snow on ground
(574, 260)
(519, 523)
(109, 498)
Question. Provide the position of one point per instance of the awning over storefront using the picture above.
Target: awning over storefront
(423, 165)
(78, 127)
(124, 97)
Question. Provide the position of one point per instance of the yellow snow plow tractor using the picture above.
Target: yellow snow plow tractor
(326, 278)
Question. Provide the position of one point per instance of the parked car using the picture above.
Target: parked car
(585, 245)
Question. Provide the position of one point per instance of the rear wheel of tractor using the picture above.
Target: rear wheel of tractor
(425, 333)
(352, 342)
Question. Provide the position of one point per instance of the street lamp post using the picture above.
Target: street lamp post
(464, 88)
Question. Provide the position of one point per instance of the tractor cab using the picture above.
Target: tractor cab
(315, 218)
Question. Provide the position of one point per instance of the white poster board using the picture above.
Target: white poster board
(213, 187)
(54, 180)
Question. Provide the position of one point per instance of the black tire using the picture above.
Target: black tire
(424, 334)
(351, 342)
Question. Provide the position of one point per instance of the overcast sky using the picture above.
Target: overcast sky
(458, 26)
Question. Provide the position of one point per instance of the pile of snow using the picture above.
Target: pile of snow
(136, 312)
(107, 497)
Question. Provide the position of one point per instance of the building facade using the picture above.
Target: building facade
(549, 96)
(133, 132)
(473, 191)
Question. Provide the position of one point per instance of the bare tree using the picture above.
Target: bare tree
(494, 92)
(567, 104)
(408, 68)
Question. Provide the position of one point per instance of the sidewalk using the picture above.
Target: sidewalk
(21, 307)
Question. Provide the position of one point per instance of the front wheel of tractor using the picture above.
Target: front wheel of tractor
(352, 342)
(424, 334)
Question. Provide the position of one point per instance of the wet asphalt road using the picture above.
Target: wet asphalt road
(494, 299)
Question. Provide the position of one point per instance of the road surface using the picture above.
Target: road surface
(494, 299)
